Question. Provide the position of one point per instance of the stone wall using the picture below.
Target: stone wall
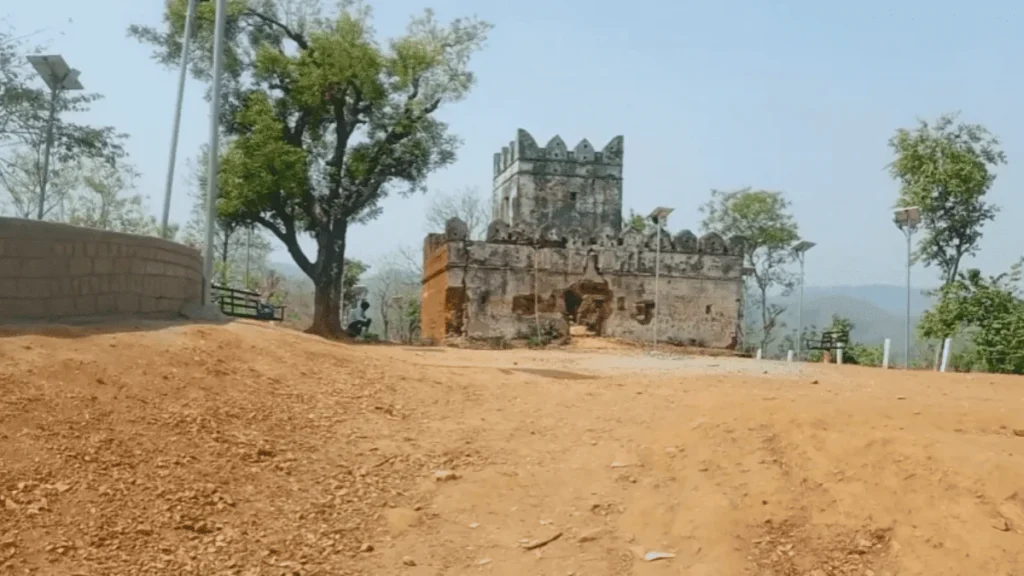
(578, 189)
(52, 271)
(500, 290)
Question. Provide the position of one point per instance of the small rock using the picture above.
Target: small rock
(474, 525)
(653, 556)
(445, 476)
(901, 397)
(1002, 525)
(408, 561)
(366, 547)
(591, 535)
(1018, 432)
(619, 465)
(483, 561)
(815, 381)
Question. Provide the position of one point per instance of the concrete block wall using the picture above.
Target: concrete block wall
(51, 271)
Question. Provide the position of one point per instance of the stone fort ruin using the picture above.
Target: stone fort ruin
(558, 255)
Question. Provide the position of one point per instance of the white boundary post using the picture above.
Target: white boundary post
(789, 356)
(885, 353)
(945, 355)
(758, 353)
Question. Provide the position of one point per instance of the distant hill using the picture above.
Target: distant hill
(892, 299)
(877, 312)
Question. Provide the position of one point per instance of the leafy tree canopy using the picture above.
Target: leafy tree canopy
(763, 218)
(324, 121)
(990, 310)
(945, 169)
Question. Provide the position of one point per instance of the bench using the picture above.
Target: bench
(828, 341)
(239, 303)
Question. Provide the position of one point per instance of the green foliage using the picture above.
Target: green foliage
(237, 247)
(990, 312)
(24, 116)
(103, 203)
(853, 353)
(638, 222)
(763, 218)
(22, 181)
(945, 169)
(325, 122)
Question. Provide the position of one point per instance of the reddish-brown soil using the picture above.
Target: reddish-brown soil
(246, 449)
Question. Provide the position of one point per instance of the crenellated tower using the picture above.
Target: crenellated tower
(572, 189)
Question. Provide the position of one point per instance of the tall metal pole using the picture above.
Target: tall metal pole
(909, 231)
(657, 275)
(800, 312)
(45, 176)
(248, 248)
(214, 153)
(182, 73)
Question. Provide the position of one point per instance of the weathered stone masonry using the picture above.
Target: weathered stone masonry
(556, 252)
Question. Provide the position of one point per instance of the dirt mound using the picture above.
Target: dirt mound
(242, 449)
(191, 450)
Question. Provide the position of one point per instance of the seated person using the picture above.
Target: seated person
(358, 323)
(264, 309)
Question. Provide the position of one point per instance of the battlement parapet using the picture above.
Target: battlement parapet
(524, 147)
(549, 236)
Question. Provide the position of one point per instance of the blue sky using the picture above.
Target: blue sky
(799, 96)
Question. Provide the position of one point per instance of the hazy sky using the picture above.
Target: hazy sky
(799, 96)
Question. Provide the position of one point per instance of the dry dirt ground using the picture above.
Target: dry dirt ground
(245, 449)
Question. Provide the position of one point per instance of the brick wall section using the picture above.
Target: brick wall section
(51, 271)
(433, 310)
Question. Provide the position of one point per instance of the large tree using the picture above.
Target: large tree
(325, 121)
(764, 219)
(946, 169)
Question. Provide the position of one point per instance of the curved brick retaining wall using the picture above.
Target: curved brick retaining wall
(51, 271)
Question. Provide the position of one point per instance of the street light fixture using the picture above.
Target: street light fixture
(800, 249)
(907, 220)
(182, 73)
(58, 77)
(659, 216)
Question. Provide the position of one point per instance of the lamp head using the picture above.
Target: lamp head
(907, 218)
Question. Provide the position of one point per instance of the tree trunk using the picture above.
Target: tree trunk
(764, 321)
(327, 281)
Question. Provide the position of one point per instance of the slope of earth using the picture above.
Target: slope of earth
(243, 449)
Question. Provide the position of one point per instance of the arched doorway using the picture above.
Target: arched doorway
(587, 306)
